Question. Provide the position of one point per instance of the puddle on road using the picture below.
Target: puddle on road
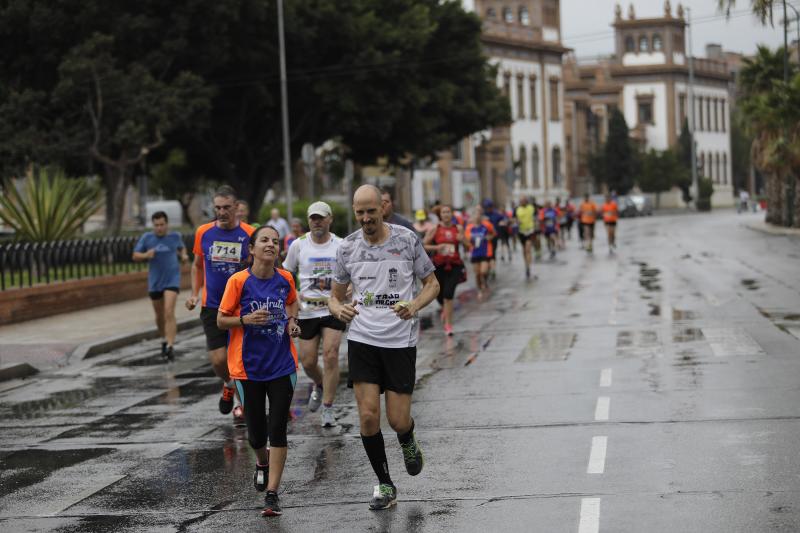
(687, 335)
(655, 309)
(66, 399)
(547, 347)
(24, 468)
(750, 284)
(325, 459)
(116, 426)
(679, 315)
(643, 338)
(786, 321)
(649, 277)
(187, 393)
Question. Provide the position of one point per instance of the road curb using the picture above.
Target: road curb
(16, 371)
(763, 227)
(95, 348)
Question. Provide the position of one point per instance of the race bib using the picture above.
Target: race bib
(478, 241)
(226, 252)
(314, 303)
(448, 249)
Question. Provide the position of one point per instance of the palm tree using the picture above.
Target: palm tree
(761, 8)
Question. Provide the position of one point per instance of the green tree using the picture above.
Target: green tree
(741, 142)
(616, 164)
(660, 171)
(684, 156)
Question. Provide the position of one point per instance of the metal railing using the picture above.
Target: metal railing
(26, 264)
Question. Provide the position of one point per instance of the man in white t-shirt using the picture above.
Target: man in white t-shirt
(382, 262)
(312, 257)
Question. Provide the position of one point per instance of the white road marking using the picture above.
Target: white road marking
(597, 457)
(602, 409)
(605, 377)
(590, 515)
(731, 341)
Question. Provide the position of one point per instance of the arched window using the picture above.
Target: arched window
(535, 166)
(508, 15)
(523, 167)
(630, 44)
(644, 44)
(657, 44)
(491, 13)
(524, 16)
(556, 166)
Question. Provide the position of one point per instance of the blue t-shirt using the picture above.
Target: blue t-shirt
(165, 272)
(224, 252)
(495, 217)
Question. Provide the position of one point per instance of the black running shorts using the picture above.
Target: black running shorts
(215, 337)
(448, 280)
(394, 369)
(157, 295)
(311, 327)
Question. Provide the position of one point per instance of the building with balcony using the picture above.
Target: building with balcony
(647, 80)
(527, 156)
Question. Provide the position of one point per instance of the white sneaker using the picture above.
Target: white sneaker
(314, 399)
(328, 417)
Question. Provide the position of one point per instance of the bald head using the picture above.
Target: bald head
(367, 193)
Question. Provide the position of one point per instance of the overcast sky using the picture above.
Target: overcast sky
(585, 25)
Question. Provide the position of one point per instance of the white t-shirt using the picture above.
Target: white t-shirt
(313, 264)
(382, 275)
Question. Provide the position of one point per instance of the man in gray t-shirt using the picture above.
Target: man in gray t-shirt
(382, 262)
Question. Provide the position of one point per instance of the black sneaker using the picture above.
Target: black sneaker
(226, 400)
(261, 477)
(163, 348)
(271, 507)
(412, 456)
(169, 353)
(383, 497)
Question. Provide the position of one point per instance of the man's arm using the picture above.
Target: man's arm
(336, 303)
(144, 256)
(197, 282)
(430, 289)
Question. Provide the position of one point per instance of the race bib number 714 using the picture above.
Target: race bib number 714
(226, 252)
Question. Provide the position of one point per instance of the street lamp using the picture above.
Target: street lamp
(287, 163)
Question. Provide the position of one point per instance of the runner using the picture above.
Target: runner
(569, 209)
(562, 223)
(496, 217)
(478, 237)
(382, 262)
(443, 241)
(311, 257)
(548, 219)
(297, 231)
(259, 308)
(610, 217)
(537, 230)
(388, 211)
(278, 222)
(220, 250)
(588, 213)
(422, 223)
(525, 222)
(161, 248)
(243, 212)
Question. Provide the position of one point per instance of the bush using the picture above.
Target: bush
(705, 188)
(299, 209)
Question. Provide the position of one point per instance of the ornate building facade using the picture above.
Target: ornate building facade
(647, 80)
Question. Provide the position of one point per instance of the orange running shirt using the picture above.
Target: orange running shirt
(588, 212)
(610, 211)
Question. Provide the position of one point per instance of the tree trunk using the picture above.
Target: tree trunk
(797, 202)
(116, 180)
(774, 190)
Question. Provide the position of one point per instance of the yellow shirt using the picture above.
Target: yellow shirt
(525, 219)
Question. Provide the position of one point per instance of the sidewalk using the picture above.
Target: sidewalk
(763, 227)
(47, 342)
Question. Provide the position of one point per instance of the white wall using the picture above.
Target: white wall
(631, 59)
(551, 34)
(657, 132)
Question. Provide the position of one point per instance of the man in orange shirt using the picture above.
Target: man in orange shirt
(588, 213)
(610, 216)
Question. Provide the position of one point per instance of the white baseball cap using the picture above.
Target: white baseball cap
(320, 208)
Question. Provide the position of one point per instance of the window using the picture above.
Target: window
(535, 166)
(508, 15)
(534, 111)
(722, 107)
(457, 152)
(725, 168)
(506, 84)
(708, 114)
(699, 113)
(520, 97)
(645, 114)
(554, 109)
(643, 43)
(681, 110)
(657, 45)
(630, 44)
(524, 16)
(717, 169)
(491, 13)
(523, 166)
(556, 166)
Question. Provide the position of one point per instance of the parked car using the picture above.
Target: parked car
(634, 205)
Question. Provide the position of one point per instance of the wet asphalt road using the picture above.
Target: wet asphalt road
(653, 390)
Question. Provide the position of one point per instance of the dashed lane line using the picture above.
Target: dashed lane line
(590, 515)
(601, 411)
(597, 456)
(605, 377)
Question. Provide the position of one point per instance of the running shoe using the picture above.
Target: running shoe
(169, 354)
(314, 399)
(383, 497)
(163, 348)
(527, 272)
(261, 477)
(328, 418)
(448, 330)
(226, 400)
(238, 416)
(271, 506)
(412, 456)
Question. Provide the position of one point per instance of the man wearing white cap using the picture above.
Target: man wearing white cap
(312, 257)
